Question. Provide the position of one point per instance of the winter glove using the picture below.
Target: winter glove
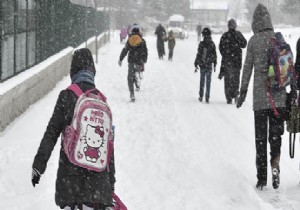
(120, 63)
(214, 68)
(196, 69)
(241, 99)
(35, 177)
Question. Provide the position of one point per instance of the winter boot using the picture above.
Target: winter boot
(207, 100)
(275, 178)
(200, 99)
(275, 172)
(132, 98)
(261, 184)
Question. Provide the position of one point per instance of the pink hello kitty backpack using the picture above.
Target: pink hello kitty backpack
(88, 141)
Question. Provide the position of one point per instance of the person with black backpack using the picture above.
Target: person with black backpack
(206, 59)
(269, 125)
(137, 51)
(76, 187)
(230, 47)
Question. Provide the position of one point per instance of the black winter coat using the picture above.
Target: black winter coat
(230, 47)
(73, 184)
(137, 48)
(297, 64)
(206, 55)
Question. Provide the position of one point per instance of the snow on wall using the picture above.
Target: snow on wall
(19, 92)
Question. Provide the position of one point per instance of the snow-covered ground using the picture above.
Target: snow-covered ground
(172, 152)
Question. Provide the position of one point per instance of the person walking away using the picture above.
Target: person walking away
(137, 51)
(206, 59)
(297, 68)
(160, 33)
(297, 63)
(76, 187)
(267, 122)
(123, 34)
(171, 44)
(199, 30)
(230, 47)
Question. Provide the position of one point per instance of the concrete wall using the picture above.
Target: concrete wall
(15, 99)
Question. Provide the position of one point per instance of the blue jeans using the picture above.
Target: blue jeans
(205, 74)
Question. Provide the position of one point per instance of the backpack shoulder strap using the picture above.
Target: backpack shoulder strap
(78, 92)
(75, 89)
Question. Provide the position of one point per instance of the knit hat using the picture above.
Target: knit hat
(135, 28)
(82, 60)
(232, 24)
(206, 32)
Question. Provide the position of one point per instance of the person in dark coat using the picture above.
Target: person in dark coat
(297, 63)
(206, 59)
(160, 32)
(136, 48)
(75, 186)
(269, 126)
(230, 47)
(171, 44)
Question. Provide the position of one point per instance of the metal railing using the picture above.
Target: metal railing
(33, 30)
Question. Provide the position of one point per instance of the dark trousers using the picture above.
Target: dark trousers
(267, 123)
(133, 70)
(231, 83)
(160, 47)
(205, 77)
(171, 49)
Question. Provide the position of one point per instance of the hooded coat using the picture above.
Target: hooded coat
(297, 64)
(230, 47)
(160, 32)
(257, 62)
(207, 46)
(73, 184)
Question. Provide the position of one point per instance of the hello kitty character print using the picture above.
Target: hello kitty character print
(94, 140)
(88, 140)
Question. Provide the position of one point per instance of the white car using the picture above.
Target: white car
(216, 30)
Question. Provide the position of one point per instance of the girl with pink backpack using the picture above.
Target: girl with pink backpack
(77, 187)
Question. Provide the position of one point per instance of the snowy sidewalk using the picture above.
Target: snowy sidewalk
(172, 152)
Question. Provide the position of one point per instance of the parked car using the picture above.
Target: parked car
(216, 29)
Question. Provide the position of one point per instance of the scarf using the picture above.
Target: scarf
(84, 76)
